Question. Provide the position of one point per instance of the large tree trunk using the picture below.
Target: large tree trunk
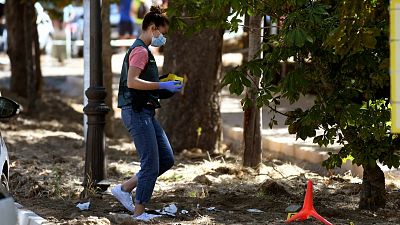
(372, 195)
(107, 73)
(252, 115)
(23, 49)
(199, 58)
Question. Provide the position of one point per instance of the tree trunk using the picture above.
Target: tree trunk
(246, 29)
(107, 73)
(199, 58)
(252, 115)
(372, 195)
(25, 61)
(32, 55)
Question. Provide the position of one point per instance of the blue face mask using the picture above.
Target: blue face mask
(158, 41)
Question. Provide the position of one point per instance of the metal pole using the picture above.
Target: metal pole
(96, 109)
(86, 57)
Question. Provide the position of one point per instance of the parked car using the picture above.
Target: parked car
(8, 109)
(7, 208)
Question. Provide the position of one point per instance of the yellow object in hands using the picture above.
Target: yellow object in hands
(171, 77)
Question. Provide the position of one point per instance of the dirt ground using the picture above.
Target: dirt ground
(47, 162)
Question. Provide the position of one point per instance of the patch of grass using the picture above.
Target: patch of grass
(58, 190)
(192, 193)
(260, 194)
(196, 193)
(172, 178)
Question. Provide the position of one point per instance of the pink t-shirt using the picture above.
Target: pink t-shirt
(139, 57)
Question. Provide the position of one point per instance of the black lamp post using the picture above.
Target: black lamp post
(96, 109)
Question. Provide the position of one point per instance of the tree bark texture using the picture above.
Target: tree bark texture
(23, 49)
(107, 73)
(372, 195)
(252, 154)
(245, 54)
(198, 57)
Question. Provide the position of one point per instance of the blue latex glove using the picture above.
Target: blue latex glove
(172, 86)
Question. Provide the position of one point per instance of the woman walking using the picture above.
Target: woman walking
(138, 95)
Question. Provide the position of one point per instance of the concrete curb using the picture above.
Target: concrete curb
(281, 146)
(27, 217)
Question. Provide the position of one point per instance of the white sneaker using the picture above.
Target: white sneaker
(124, 197)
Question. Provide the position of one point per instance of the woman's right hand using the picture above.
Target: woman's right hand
(172, 86)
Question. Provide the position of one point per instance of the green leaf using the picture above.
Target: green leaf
(246, 103)
(369, 41)
(299, 37)
(259, 101)
(318, 139)
(309, 38)
(232, 88)
(246, 82)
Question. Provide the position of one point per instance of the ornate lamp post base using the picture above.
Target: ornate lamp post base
(95, 166)
(95, 109)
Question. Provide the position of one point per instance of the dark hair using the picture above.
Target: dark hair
(156, 16)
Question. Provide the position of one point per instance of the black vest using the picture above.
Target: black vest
(138, 98)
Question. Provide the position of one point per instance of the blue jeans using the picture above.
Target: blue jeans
(153, 147)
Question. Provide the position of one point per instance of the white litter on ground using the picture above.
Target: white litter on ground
(184, 212)
(83, 206)
(146, 217)
(170, 210)
(211, 208)
(255, 211)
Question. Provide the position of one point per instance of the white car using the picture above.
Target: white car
(8, 109)
(7, 208)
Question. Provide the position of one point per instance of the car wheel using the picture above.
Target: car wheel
(4, 182)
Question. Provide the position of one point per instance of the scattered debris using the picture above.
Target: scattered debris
(83, 206)
(170, 210)
(184, 212)
(146, 217)
(211, 209)
(254, 211)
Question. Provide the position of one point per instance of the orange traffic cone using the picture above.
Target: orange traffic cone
(308, 208)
